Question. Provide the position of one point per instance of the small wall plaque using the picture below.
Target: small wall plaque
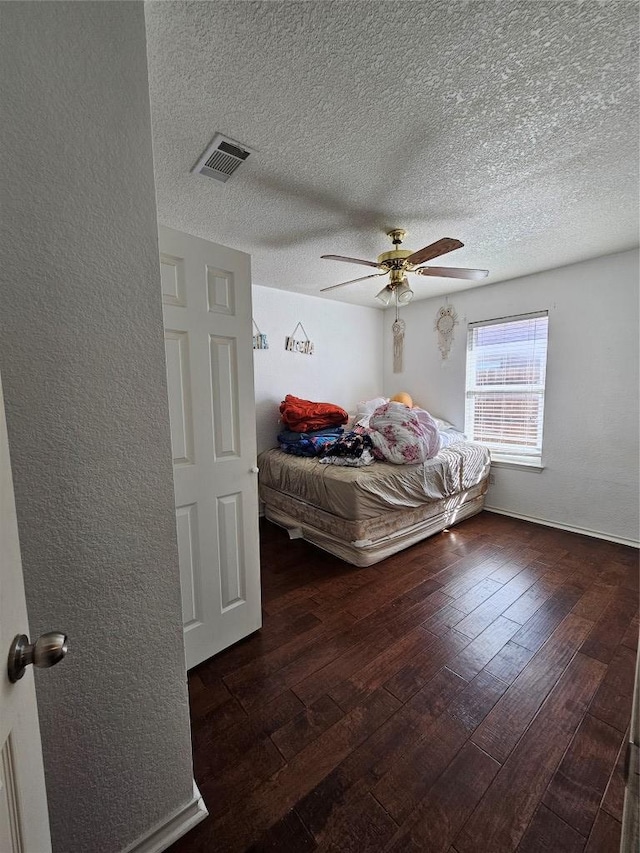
(298, 345)
(259, 340)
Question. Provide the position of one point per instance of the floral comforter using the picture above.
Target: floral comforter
(402, 435)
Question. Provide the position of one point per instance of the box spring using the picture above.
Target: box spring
(367, 541)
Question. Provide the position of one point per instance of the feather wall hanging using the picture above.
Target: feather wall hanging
(398, 329)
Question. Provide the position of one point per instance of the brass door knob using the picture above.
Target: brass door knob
(48, 650)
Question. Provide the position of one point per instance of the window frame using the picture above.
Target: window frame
(512, 455)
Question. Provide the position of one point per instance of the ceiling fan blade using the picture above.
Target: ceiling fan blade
(352, 281)
(434, 250)
(453, 272)
(351, 260)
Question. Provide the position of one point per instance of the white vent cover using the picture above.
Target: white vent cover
(221, 159)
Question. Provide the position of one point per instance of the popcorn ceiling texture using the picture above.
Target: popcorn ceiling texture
(82, 360)
(512, 126)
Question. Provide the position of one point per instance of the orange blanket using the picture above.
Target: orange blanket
(304, 415)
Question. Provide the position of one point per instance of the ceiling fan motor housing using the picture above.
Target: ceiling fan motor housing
(395, 259)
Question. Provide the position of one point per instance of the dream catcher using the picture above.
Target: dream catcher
(446, 321)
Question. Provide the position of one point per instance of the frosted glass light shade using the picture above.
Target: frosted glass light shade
(404, 293)
(385, 295)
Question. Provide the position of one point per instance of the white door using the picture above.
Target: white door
(206, 293)
(24, 820)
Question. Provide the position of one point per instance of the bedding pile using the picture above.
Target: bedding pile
(308, 443)
(304, 415)
(384, 430)
(403, 436)
(354, 449)
(314, 430)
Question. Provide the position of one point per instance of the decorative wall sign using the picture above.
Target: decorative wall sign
(304, 346)
(259, 340)
(446, 321)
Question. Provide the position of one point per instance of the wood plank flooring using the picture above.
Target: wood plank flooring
(471, 694)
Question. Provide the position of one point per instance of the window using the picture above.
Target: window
(506, 366)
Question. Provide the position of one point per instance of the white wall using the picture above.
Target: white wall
(82, 362)
(346, 366)
(590, 450)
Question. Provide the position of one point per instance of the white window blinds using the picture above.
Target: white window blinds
(506, 367)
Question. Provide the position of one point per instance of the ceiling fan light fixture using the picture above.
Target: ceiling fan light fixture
(398, 261)
(385, 295)
(404, 293)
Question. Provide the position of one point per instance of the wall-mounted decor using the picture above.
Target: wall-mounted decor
(398, 329)
(446, 321)
(398, 344)
(304, 346)
(259, 339)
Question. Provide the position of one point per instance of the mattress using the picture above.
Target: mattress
(357, 494)
(364, 515)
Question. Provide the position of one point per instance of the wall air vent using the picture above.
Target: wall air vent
(221, 159)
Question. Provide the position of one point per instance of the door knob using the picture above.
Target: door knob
(48, 650)
(254, 469)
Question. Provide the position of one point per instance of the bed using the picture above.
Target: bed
(364, 515)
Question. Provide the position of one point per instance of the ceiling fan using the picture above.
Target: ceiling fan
(398, 262)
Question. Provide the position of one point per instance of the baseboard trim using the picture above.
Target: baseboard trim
(163, 834)
(596, 534)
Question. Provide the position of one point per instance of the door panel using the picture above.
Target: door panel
(224, 382)
(189, 560)
(179, 382)
(24, 820)
(207, 310)
(232, 575)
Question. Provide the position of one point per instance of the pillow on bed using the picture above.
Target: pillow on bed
(366, 408)
(451, 436)
(442, 424)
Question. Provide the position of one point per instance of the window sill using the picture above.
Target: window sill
(517, 465)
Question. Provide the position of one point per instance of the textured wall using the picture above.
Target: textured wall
(590, 443)
(81, 355)
(345, 367)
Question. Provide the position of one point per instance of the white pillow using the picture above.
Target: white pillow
(367, 407)
(442, 424)
(451, 436)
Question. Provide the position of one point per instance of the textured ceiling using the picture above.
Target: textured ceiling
(511, 126)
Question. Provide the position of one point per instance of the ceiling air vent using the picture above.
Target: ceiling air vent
(222, 158)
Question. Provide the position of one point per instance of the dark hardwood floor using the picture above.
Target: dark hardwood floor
(468, 695)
